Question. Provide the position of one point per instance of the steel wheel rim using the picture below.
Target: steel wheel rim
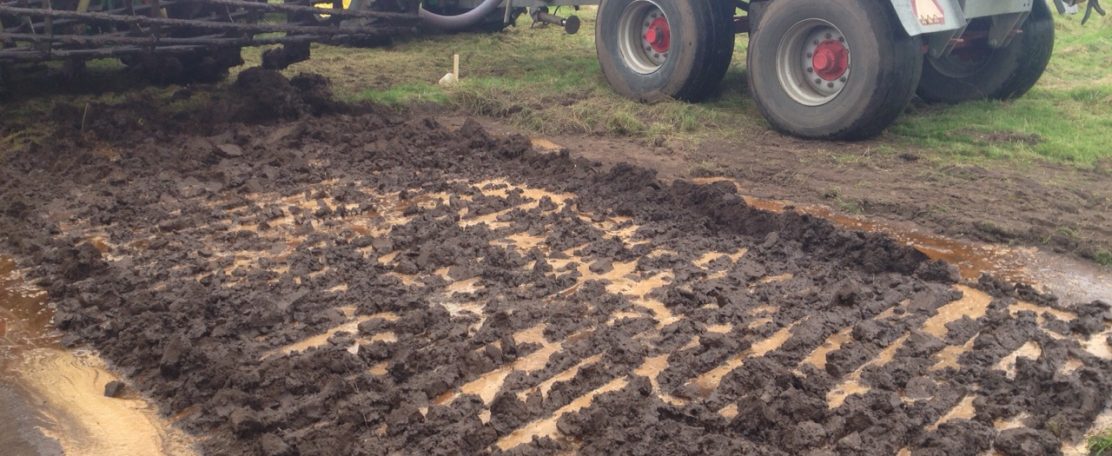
(640, 21)
(807, 45)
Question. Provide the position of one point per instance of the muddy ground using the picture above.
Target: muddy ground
(302, 277)
(1055, 207)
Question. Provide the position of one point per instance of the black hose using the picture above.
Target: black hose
(453, 23)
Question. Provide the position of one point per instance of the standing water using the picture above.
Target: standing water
(52, 400)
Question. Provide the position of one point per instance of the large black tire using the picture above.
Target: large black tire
(701, 37)
(722, 54)
(883, 65)
(492, 23)
(996, 74)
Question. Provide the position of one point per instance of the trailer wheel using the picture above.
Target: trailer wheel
(491, 23)
(979, 72)
(653, 50)
(722, 52)
(832, 69)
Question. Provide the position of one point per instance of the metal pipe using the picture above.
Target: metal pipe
(188, 23)
(208, 40)
(304, 9)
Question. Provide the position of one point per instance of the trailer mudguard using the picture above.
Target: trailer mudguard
(921, 17)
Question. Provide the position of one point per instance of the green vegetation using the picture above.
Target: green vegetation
(1103, 257)
(1101, 444)
(548, 82)
(537, 79)
(1057, 120)
(545, 81)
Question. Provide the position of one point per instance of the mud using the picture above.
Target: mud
(1053, 207)
(57, 401)
(368, 283)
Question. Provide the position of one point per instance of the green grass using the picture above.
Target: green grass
(1103, 257)
(541, 80)
(1058, 120)
(548, 82)
(1101, 444)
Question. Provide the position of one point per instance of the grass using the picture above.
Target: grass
(540, 80)
(1058, 120)
(1103, 257)
(1101, 444)
(548, 82)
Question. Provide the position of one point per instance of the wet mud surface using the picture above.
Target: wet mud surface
(1055, 207)
(367, 283)
(56, 401)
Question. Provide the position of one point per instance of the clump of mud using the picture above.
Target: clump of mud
(368, 283)
(258, 96)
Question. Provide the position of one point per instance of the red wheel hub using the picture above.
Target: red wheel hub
(659, 35)
(830, 60)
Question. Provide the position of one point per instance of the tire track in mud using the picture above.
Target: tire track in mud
(404, 288)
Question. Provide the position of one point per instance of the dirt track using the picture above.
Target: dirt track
(370, 284)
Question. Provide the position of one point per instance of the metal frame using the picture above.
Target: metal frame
(44, 33)
(955, 13)
(533, 3)
(918, 16)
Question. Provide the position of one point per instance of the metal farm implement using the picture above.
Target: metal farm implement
(831, 69)
(190, 33)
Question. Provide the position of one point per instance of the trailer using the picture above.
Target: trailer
(828, 69)
(823, 69)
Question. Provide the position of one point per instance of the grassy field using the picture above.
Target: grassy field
(549, 82)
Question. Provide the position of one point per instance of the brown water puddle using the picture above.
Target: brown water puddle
(352, 327)
(564, 376)
(546, 427)
(651, 368)
(704, 385)
(973, 304)
(1029, 350)
(488, 384)
(964, 410)
(852, 384)
(948, 357)
(833, 343)
(52, 400)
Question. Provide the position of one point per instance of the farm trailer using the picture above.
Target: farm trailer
(826, 69)
(829, 69)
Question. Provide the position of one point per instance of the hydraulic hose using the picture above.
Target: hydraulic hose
(451, 23)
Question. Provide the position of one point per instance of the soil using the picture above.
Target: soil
(285, 275)
(1059, 208)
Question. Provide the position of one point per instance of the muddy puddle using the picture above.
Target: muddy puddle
(52, 400)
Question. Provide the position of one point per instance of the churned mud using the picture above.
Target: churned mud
(368, 283)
